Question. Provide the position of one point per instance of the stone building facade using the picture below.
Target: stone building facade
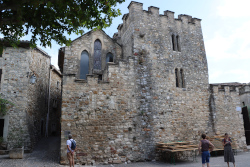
(25, 83)
(54, 126)
(226, 112)
(149, 83)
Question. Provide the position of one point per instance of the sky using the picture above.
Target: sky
(226, 32)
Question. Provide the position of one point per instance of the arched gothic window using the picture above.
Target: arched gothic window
(84, 65)
(97, 55)
(109, 58)
(176, 77)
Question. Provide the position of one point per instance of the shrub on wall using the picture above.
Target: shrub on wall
(4, 106)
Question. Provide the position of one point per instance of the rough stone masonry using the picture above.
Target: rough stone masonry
(25, 121)
(155, 89)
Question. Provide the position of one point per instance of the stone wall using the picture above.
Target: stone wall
(29, 99)
(99, 116)
(55, 102)
(14, 86)
(38, 94)
(226, 113)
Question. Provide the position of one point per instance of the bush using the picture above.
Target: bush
(4, 106)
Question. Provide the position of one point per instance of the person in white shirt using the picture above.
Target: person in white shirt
(70, 152)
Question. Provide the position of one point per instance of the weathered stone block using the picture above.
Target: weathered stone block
(16, 153)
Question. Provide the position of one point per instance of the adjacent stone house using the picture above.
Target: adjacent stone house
(149, 83)
(25, 79)
(54, 127)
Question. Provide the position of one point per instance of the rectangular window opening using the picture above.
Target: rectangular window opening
(0, 75)
(173, 42)
(99, 77)
(182, 78)
(1, 127)
(178, 43)
(176, 77)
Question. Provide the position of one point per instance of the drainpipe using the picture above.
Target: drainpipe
(47, 119)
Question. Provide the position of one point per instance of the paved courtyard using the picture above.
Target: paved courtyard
(46, 154)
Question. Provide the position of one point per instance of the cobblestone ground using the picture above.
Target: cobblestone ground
(242, 160)
(46, 154)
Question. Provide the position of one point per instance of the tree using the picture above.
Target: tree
(49, 20)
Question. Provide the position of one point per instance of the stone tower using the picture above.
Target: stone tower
(149, 83)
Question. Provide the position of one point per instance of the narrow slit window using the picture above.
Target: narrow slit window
(182, 78)
(178, 43)
(57, 84)
(173, 41)
(176, 77)
(1, 127)
(84, 65)
(0, 75)
(109, 58)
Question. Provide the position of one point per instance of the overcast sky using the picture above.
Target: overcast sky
(225, 26)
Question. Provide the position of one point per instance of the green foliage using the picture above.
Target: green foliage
(16, 137)
(49, 20)
(4, 106)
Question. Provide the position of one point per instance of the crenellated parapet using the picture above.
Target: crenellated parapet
(245, 89)
(226, 89)
(136, 13)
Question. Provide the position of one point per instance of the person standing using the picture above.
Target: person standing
(228, 152)
(204, 150)
(70, 151)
